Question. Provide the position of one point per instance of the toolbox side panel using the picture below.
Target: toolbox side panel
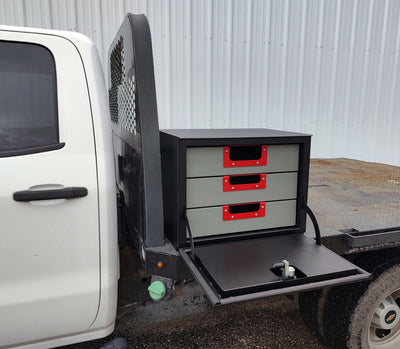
(173, 176)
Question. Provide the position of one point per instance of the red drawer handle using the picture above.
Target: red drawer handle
(244, 182)
(243, 211)
(245, 155)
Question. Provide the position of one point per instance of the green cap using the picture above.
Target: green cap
(157, 290)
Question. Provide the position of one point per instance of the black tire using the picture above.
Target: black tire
(311, 306)
(349, 309)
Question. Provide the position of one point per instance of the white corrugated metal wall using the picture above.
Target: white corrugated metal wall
(326, 67)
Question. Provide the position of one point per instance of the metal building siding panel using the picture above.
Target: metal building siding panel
(328, 57)
(12, 12)
(258, 57)
(346, 74)
(326, 67)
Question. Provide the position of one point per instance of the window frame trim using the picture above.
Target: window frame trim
(32, 150)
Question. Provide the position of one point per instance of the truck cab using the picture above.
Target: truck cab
(59, 255)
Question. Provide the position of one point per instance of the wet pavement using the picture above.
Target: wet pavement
(273, 323)
(189, 321)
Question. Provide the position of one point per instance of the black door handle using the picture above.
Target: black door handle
(63, 193)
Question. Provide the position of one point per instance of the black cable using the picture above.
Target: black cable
(315, 224)
(190, 237)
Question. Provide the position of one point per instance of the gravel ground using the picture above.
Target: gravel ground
(188, 321)
(264, 324)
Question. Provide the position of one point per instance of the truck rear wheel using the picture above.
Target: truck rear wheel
(375, 322)
(365, 315)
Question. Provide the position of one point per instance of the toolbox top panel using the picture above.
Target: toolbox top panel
(242, 133)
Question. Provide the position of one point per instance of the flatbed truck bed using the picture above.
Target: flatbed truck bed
(357, 204)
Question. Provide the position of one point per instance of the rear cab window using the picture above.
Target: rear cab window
(28, 99)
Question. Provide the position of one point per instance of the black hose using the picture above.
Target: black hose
(190, 237)
(315, 224)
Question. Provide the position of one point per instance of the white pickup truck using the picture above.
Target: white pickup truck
(81, 167)
(59, 251)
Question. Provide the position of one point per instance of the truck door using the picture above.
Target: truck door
(49, 230)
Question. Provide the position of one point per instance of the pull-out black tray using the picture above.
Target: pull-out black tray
(241, 270)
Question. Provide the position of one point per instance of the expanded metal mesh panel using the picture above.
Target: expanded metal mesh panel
(116, 71)
(126, 105)
(122, 91)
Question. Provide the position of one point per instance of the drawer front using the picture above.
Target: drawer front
(209, 161)
(209, 191)
(210, 220)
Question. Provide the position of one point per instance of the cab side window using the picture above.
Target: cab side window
(28, 99)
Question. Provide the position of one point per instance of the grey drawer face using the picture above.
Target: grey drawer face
(208, 221)
(208, 161)
(208, 191)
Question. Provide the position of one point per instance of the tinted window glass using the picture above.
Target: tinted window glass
(28, 100)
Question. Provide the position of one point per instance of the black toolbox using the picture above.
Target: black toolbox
(234, 207)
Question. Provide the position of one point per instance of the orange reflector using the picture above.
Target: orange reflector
(159, 264)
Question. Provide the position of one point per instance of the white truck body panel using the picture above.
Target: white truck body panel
(59, 258)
